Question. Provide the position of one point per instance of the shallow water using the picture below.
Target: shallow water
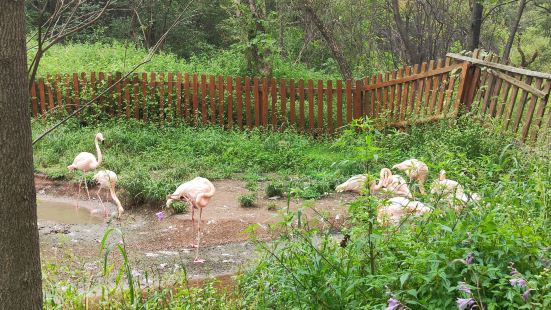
(65, 213)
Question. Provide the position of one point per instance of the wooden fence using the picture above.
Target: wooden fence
(409, 95)
(517, 97)
(421, 93)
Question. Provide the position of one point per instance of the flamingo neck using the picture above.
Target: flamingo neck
(100, 157)
(115, 198)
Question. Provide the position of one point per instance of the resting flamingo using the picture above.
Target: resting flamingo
(416, 170)
(87, 161)
(388, 184)
(107, 178)
(198, 193)
(397, 207)
(451, 191)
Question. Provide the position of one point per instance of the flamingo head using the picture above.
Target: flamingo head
(442, 175)
(99, 137)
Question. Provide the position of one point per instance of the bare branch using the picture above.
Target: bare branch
(495, 8)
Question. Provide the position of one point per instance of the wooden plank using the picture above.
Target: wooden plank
(395, 114)
(59, 96)
(311, 105)
(522, 104)
(489, 91)
(264, 105)
(153, 92)
(495, 96)
(195, 97)
(503, 99)
(301, 103)
(373, 96)
(405, 92)
(292, 94)
(283, 101)
(366, 98)
(329, 98)
(460, 88)
(357, 112)
(248, 102)
(49, 89)
(412, 77)
(530, 112)
(379, 96)
(444, 81)
(392, 91)
(273, 91)
(349, 102)
(68, 104)
(500, 66)
(519, 83)
(419, 96)
(161, 96)
(212, 95)
(339, 104)
(384, 103)
(93, 86)
(170, 85)
(229, 114)
(239, 102)
(76, 93)
(539, 115)
(483, 83)
(42, 97)
(127, 97)
(136, 96)
(111, 94)
(144, 96)
(435, 88)
(204, 102)
(179, 96)
(256, 95)
(187, 95)
(83, 84)
(428, 87)
(412, 93)
(320, 105)
(447, 105)
(34, 100)
(101, 99)
(511, 106)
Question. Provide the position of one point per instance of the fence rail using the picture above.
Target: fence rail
(411, 95)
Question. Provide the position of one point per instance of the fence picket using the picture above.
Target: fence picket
(248, 102)
(283, 99)
(239, 102)
(187, 103)
(301, 103)
(522, 104)
(59, 96)
(349, 102)
(49, 88)
(212, 95)
(273, 92)
(339, 104)
(329, 99)
(264, 104)
(127, 99)
(153, 90)
(539, 114)
(204, 102)
(161, 96)
(195, 97)
(178, 96)
(220, 101)
(311, 105)
(144, 96)
(256, 103)
(357, 100)
(170, 84)
(76, 94)
(530, 111)
(292, 94)
(229, 88)
(320, 105)
(136, 95)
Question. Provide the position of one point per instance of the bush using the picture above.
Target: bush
(248, 200)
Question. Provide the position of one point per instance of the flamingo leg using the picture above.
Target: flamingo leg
(101, 201)
(193, 243)
(197, 259)
(78, 197)
(86, 186)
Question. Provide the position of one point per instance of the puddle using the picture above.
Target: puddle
(65, 213)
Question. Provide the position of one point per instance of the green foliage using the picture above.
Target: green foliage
(275, 189)
(424, 262)
(248, 200)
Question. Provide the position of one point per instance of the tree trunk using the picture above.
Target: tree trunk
(330, 39)
(260, 58)
(20, 278)
(412, 55)
(513, 30)
(476, 24)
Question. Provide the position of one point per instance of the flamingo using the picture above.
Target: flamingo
(388, 183)
(107, 178)
(416, 170)
(87, 161)
(198, 193)
(451, 191)
(397, 207)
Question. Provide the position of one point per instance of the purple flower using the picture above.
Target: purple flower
(515, 273)
(526, 294)
(520, 282)
(463, 303)
(463, 287)
(393, 304)
(469, 258)
(546, 262)
(160, 215)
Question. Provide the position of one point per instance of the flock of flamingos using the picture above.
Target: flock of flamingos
(199, 191)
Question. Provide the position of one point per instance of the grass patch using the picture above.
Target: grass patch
(248, 200)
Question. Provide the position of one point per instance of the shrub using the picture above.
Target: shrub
(248, 200)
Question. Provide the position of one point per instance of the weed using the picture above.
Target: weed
(275, 189)
(272, 206)
(248, 200)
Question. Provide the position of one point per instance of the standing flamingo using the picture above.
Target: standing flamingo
(87, 161)
(416, 170)
(197, 193)
(107, 178)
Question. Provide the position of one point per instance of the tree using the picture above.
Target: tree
(20, 279)
(513, 30)
(476, 24)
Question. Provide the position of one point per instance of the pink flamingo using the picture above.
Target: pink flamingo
(198, 193)
(395, 208)
(388, 184)
(416, 170)
(107, 178)
(87, 161)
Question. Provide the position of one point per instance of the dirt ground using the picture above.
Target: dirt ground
(162, 247)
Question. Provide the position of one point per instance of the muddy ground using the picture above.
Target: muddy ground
(162, 248)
